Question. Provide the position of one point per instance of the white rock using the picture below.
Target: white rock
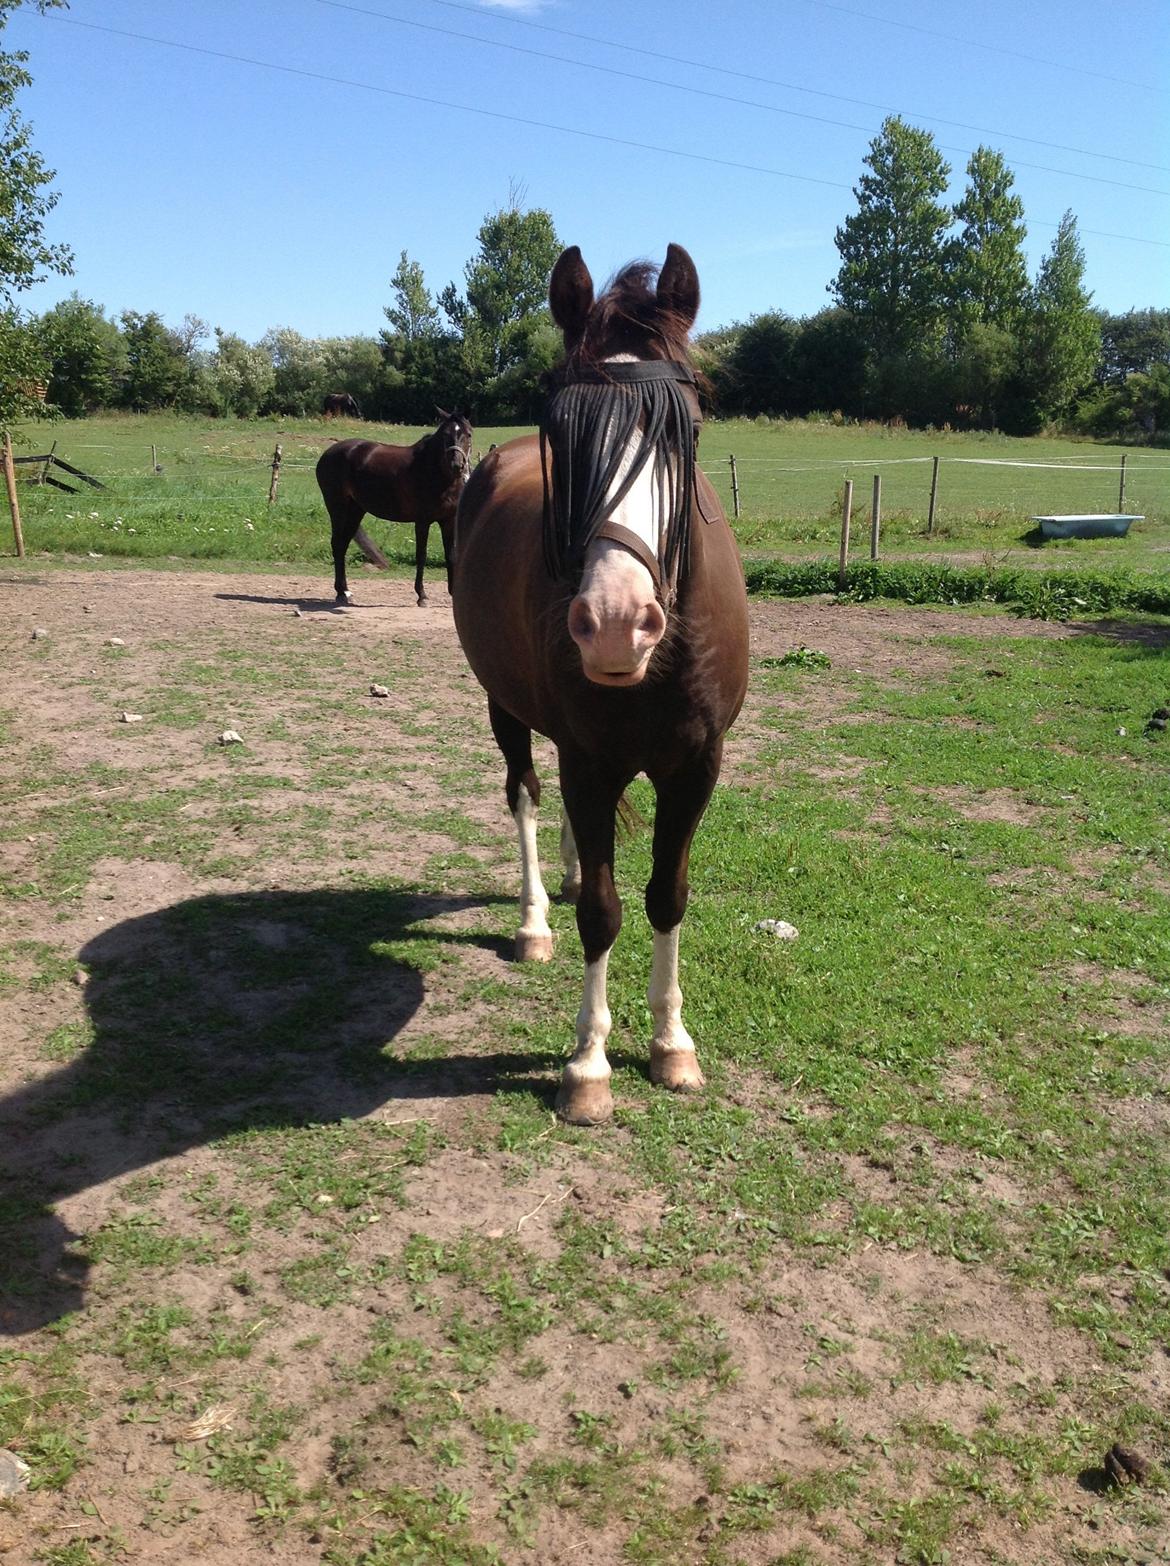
(115, 641)
(780, 928)
(14, 1473)
(39, 634)
(230, 737)
(379, 690)
(297, 614)
(131, 717)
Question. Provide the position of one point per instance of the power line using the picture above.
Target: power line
(772, 81)
(972, 43)
(703, 92)
(513, 119)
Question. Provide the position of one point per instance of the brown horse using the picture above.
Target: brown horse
(341, 402)
(420, 484)
(600, 600)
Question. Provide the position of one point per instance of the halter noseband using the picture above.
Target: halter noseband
(590, 421)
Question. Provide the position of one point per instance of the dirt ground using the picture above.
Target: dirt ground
(59, 712)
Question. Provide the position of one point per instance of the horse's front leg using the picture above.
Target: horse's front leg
(682, 799)
(584, 1098)
(421, 534)
(534, 940)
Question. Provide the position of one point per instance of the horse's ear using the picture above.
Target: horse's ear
(678, 285)
(443, 414)
(570, 293)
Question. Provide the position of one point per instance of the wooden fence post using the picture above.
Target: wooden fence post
(875, 525)
(275, 480)
(1121, 485)
(846, 518)
(13, 503)
(933, 498)
(734, 484)
(154, 459)
(46, 465)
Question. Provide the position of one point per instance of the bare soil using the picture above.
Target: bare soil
(58, 711)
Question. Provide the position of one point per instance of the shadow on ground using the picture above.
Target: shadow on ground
(216, 1015)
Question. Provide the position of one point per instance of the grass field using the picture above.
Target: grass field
(209, 501)
(299, 1265)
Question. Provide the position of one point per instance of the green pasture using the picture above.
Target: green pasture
(958, 1072)
(209, 501)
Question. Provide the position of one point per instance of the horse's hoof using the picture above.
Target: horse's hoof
(584, 1103)
(534, 948)
(677, 1071)
(571, 889)
(344, 598)
(423, 600)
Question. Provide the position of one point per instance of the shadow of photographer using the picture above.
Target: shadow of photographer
(215, 1015)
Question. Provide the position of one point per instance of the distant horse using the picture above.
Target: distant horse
(600, 600)
(420, 484)
(341, 402)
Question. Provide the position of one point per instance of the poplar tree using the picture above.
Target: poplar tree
(893, 262)
(1063, 338)
(988, 274)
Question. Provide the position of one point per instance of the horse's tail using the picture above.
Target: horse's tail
(371, 551)
(630, 818)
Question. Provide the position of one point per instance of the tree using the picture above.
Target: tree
(1063, 335)
(158, 367)
(988, 274)
(1136, 341)
(414, 313)
(85, 354)
(893, 271)
(26, 256)
(240, 377)
(507, 282)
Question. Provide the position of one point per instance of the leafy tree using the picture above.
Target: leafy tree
(159, 372)
(829, 363)
(1136, 341)
(506, 284)
(85, 353)
(414, 313)
(1063, 335)
(26, 257)
(893, 263)
(988, 274)
(298, 365)
(758, 372)
(240, 377)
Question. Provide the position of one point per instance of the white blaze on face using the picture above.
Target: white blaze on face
(616, 619)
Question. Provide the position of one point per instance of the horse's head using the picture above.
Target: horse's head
(621, 430)
(454, 440)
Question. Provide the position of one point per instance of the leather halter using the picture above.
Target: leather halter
(592, 479)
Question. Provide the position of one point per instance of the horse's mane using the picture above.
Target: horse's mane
(629, 318)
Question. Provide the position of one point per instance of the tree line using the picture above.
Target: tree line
(934, 320)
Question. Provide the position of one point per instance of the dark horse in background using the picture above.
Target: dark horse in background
(341, 403)
(600, 600)
(420, 484)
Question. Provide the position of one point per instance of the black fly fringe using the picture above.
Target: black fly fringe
(588, 426)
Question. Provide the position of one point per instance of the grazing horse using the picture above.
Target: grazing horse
(600, 600)
(341, 402)
(420, 484)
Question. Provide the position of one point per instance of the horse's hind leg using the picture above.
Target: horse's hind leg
(534, 941)
(421, 534)
(447, 533)
(682, 799)
(571, 880)
(346, 518)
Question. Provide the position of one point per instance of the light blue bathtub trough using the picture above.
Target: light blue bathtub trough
(1098, 524)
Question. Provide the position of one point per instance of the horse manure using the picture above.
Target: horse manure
(1125, 1466)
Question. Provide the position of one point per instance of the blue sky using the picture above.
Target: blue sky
(255, 198)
